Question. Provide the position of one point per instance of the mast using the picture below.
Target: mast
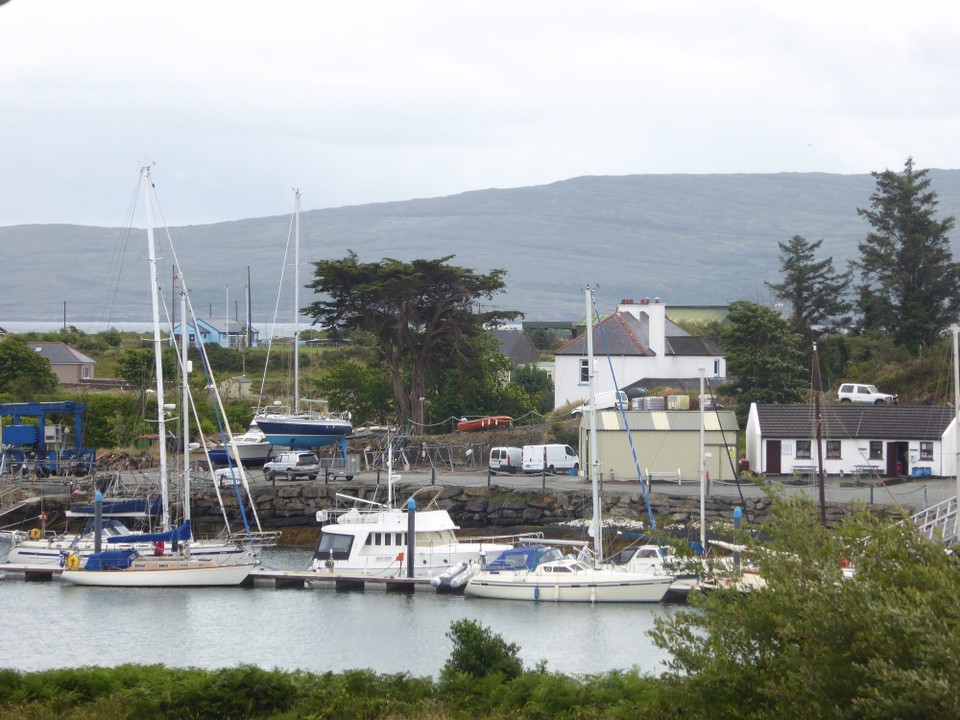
(597, 523)
(157, 348)
(703, 472)
(816, 413)
(296, 304)
(185, 405)
(956, 419)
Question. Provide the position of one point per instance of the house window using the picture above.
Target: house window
(584, 370)
(716, 368)
(833, 449)
(876, 450)
(803, 449)
(85, 372)
(926, 450)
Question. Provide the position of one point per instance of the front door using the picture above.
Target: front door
(773, 457)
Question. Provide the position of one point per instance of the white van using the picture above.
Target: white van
(605, 401)
(559, 459)
(506, 460)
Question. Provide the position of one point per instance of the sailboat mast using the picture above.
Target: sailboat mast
(956, 418)
(703, 471)
(597, 524)
(157, 348)
(296, 304)
(816, 413)
(185, 404)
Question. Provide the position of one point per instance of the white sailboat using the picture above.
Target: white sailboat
(540, 572)
(295, 428)
(130, 567)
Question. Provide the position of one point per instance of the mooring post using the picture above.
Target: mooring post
(737, 524)
(411, 535)
(97, 520)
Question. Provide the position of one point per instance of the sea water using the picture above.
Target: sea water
(54, 624)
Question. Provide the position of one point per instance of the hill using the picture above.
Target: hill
(688, 239)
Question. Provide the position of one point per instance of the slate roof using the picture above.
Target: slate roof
(516, 345)
(848, 421)
(626, 335)
(58, 353)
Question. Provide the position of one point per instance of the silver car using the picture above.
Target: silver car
(293, 465)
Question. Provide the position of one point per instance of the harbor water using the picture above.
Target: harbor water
(53, 624)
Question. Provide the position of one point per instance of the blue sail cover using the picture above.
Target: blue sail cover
(180, 534)
(111, 560)
(133, 507)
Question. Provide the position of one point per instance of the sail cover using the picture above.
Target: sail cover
(180, 534)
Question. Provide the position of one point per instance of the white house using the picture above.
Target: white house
(642, 343)
(879, 440)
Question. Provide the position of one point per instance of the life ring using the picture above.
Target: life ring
(73, 562)
(35, 534)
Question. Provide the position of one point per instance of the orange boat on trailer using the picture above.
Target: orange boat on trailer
(490, 422)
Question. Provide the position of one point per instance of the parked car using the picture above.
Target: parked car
(860, 393)
(605, 401)
(506, 460)
(293, 465)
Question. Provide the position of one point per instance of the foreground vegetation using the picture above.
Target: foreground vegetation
(882, 644)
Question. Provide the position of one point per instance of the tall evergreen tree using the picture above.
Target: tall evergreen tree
(909, 283)
(816, 293)
(764, 357)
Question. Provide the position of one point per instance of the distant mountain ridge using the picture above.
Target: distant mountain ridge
(687, 239)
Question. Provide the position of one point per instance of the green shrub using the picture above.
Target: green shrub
(477, 651)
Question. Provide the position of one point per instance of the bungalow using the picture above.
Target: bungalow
(235, 335)
(70, 366)
(642, 344)
(887, 440)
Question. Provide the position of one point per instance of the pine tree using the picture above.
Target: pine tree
(816, 293)
(909, 283)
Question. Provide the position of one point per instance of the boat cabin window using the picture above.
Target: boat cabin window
(386, 539)
(339, 545)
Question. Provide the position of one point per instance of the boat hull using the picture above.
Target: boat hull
(492, 422)
(174, 573)
(304, 434)
(585, 589)
(251, 454)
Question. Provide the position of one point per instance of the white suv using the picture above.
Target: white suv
(858, 393)
(293, 465)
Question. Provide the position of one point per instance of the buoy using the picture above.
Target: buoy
(35, 534)
(73, 562)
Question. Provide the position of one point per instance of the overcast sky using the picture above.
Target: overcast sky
(237, 102)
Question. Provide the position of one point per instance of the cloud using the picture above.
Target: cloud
(238, 101)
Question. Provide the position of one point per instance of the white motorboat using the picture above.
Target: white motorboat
(251, 449)
(372, 539)
(657, 560)
(131, 568)
(541, 572)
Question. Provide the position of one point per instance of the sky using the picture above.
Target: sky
(237, 102)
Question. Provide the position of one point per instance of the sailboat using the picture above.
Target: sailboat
(130, 567)
(541, 572)
(300, 429)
